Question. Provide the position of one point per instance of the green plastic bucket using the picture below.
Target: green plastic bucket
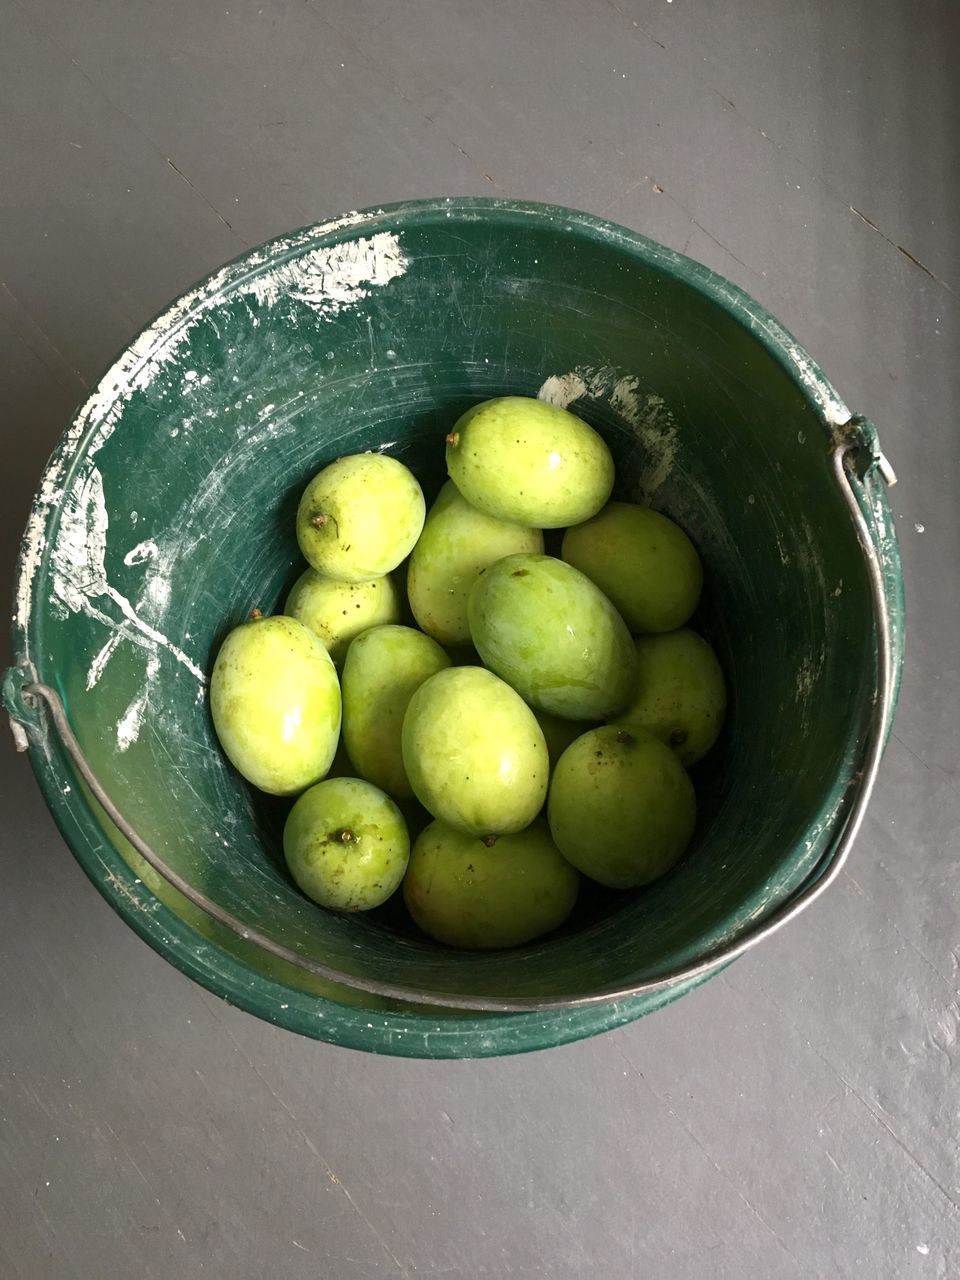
(167, 511)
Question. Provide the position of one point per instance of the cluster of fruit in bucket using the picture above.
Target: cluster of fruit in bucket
(543, 711)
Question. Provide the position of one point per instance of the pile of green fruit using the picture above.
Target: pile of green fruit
(565, 752)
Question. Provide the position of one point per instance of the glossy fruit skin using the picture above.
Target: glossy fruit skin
(457, 542)
(643, 561)
(384, 668)
(346, 844)
(275, 702)
(337, 611)
(526, 461)
(680, 695)
(469, 894)
(543, 626)
(474, 753)
(359, 517)
(621, 807)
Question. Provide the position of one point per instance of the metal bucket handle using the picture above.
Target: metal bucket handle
(848, 443)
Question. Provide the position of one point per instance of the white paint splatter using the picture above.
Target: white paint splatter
(561, 389)
(79, 570)
(98, 665)
(648, 415)
(78, 557)
(128, 727)
(808, 673)
(332, 277)
(833, 408)
(142, 551)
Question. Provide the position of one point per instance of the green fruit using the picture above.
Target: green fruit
(523, 460)
(337, 611)
(275, 702)
(457, 542)
(346, 844)
(359, 517)
(474, 753)
(551, 634)
(621, 807)
(644, 562)
(499, 892)
(680, 695)
(557, 733)
(384, 668)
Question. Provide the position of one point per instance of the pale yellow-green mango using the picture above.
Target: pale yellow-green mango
(346, 844)
(480, 893)
(642, 561)
(680, 695)
(359, 517)
(529, 462)
(275, 702)
(544, 627)
(457, 542)
(337, 611)
(474, 753)
(621, 807)
(384, 667)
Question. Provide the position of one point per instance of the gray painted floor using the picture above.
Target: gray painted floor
(796, 1117)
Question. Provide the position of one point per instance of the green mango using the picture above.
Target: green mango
(474, 753)
(680, 695)
(457, 542)
(383, 669)
(478, 893)
(542, 626)
(359, 517)
(337, 611)
(522, 460)
(275, 702)
(621, 807)
(346, 844)
(642, 561)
